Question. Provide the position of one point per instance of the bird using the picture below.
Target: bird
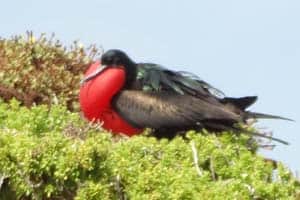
(128, 97)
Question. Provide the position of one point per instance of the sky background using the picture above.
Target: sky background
(241, 47)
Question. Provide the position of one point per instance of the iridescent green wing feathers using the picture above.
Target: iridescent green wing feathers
(155, 77)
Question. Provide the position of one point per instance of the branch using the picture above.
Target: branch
(195, 155)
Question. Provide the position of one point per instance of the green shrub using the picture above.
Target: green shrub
(50, 153)
(41, 70)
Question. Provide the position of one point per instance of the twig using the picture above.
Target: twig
(267, 146)
(212, 169)
(195, 155)
(119, 188)
(2, 179)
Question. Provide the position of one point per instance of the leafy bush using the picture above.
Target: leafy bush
(42, 70)
(50, 153)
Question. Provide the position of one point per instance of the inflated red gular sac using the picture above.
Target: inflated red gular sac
(96, 98)
(128, 97)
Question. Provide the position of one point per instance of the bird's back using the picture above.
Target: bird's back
(155, 78)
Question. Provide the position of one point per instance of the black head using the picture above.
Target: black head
(116, 57)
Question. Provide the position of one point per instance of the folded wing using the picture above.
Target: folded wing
(170, 110)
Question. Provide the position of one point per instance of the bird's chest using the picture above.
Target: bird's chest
(95, 99)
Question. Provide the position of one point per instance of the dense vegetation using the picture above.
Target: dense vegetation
(41, 70)
(47, 151)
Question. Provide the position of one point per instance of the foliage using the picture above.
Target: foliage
(41, 70)
(50, 153)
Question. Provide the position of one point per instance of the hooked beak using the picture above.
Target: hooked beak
(93, 75)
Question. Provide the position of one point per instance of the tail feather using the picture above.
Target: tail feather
(255, 115)
(242, 102)
(264, 136)
(241, 130)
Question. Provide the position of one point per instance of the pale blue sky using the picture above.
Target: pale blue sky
(242, 47)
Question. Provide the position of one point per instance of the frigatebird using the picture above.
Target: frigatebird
(128, 97)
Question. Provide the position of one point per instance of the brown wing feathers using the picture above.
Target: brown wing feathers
(165, 109)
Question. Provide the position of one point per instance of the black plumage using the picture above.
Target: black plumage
(171, 101)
